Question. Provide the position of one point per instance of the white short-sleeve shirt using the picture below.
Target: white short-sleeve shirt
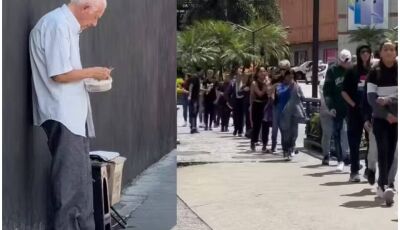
(54, 50)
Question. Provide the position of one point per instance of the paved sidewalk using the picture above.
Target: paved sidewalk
(229, 187)
(150, 201)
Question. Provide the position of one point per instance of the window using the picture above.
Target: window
(300, 57)
(330, 55)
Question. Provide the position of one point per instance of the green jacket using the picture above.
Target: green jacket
(332, 90)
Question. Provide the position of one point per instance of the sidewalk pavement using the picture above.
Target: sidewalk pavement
(150, 201)
(229, 187)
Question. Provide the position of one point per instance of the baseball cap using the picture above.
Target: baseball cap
(345, 56)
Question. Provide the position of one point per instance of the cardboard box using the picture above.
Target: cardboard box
(114, 172)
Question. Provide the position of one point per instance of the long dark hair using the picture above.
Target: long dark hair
(360, 64)
(255, 76)
(289, 72)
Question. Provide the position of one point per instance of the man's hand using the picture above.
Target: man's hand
(333, 112)
(391, 118)
(368, 126)
(246, 89)
(100, 73)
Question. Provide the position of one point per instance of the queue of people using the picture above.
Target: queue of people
(259, 101)
(362, 99)
(356, 99)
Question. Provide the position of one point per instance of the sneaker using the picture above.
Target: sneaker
(371, 176)
(184, 124)
(264, 149)
(391, 185)
(192, 131)
(234, 133)
(210, 128)
(325, 161)
(287, 156)
(340, 167)
(354, 177)
(206, 128)
(365, 175)
(347, 161)
(253, 147)
(201, 125)
(379, 192)
(388, 195)
(273, 148)
(240, 135)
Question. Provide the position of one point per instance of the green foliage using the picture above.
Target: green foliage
(267, 10)
(219, 45)
(272, 40)
(367, 35)
(236, 11)
(392, 34)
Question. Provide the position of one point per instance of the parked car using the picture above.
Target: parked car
(301, 70)
(304, 71)
(322, 69)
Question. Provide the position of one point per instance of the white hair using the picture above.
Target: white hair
(284, 64)
(95, 3)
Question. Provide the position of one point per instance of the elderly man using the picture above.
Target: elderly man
(61, 106)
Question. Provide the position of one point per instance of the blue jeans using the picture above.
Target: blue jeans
(337, 129)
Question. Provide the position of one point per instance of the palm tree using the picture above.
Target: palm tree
(238, 52)
(272, 40)
(367, 35)
(194, 51)
(217, 45)
(392, 34)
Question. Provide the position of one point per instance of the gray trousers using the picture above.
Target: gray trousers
(327, 132)
(71, 179)
(289, 133)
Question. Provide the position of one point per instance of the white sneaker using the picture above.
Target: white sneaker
(379, 192)
(184, 124)
(201, 125)
(388, 195)
(340, 167)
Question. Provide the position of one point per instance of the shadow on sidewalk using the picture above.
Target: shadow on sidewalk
(321, 174)
(364, 192)
(342, 183)
(363, 204)
(317, 166)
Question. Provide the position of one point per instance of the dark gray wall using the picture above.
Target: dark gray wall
(137, 118)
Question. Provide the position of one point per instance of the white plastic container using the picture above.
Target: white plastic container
(95, 86)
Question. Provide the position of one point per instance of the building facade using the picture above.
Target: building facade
(298, 16)
(390, 20)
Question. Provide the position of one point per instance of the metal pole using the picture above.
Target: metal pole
(315, 49)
